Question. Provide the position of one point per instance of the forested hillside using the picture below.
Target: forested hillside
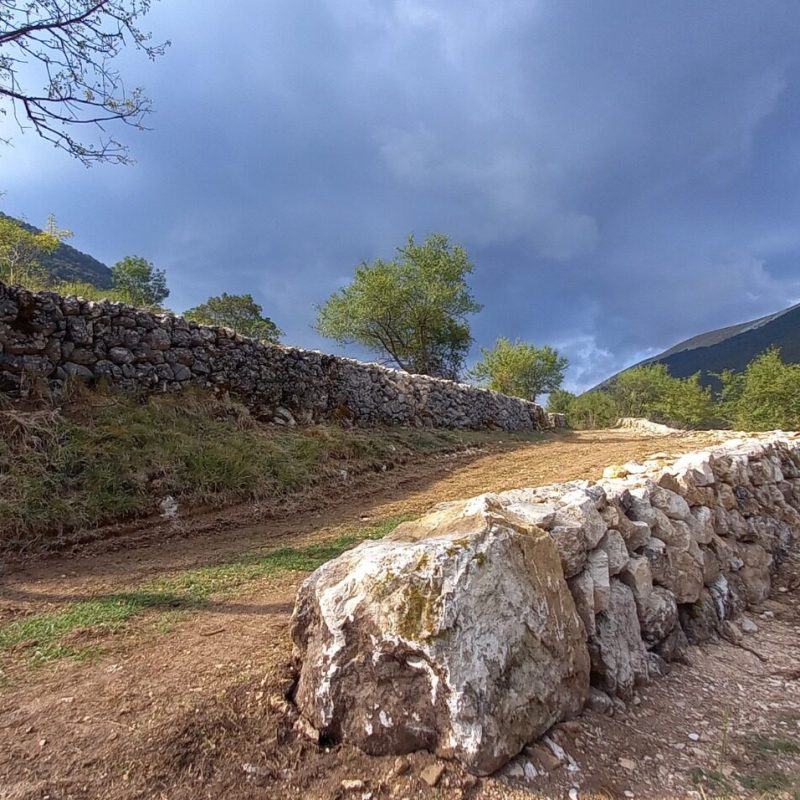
(68, 265)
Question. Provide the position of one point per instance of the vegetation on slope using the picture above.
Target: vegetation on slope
(731, 348)
(65, 264)
(766, 396)
(106, 456)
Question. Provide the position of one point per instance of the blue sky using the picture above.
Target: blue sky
(623, 174)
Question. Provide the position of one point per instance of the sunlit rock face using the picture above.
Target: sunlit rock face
(457, 635)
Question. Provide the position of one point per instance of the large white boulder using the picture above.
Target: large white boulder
(457, 634)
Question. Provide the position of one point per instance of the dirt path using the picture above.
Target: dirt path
(190, 707)
(135, 553)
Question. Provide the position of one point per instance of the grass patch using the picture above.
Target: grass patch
(712, 780)
(762, 745)
(46, 637)
(105, 456)
(769, 783)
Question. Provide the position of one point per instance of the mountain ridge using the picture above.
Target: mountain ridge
(730, 347)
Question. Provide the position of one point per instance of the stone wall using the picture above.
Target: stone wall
(473, 630)
(51, 337)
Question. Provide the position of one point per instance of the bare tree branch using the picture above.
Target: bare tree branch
(70, 46)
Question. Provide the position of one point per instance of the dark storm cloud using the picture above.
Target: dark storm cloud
(623, 174)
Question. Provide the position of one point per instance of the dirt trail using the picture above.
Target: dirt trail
(192, 708)
(155, 547)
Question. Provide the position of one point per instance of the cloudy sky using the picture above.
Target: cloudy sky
(623, 174)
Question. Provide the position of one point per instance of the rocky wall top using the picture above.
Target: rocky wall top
(46, 335)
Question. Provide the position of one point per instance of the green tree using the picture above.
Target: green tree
(139, 282)
(69, 47)
(559, 401)
(687, 404)
(21, 251)
(520, 369)
(639, 390)
(593, 410)
(238, 312)
(650, 391)
(767, 396)
(411, 311)
(590, 410)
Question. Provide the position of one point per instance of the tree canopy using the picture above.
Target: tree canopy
(520, 369)
(765, 396)
(411, 311)
(58, 74)
(236, 311)
(589, 410)
(139, 282)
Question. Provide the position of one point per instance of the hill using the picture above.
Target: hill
(68, 264)
(732, 347)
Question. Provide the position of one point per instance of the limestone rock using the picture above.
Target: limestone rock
(676, 570)
(457, 635)
(581, 587)
(700, 620)
(580, 508)
(598, 570)
(671, 503)
(570, 541)
(635, 533)
(618, 654)
(702, 524)
(615, 548)
(637, 575)
(756, 572)
(673, 647)
(599, 702)
(658, 614)
(711, 565)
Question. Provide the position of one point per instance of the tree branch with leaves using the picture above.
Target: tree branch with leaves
(58, 72)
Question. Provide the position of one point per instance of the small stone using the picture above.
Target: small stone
(747, 625)
(352, 785)
(306, 729)
(530, 771)
(515, 770)
(573, 794)
(695, 737)
(432, 774)
(543, 758)
(599, 701)
(768, 615)
(254, 771)
(628, 764)
(401, 766)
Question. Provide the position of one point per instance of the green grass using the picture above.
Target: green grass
(106, 456)
(769, 783)
(712, 780)
(45, 637)
(762, 745)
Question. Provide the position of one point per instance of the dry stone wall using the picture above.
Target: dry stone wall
(46, 336)
(473, 630)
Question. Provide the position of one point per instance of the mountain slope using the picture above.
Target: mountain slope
(732, 347)
(69, 264)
